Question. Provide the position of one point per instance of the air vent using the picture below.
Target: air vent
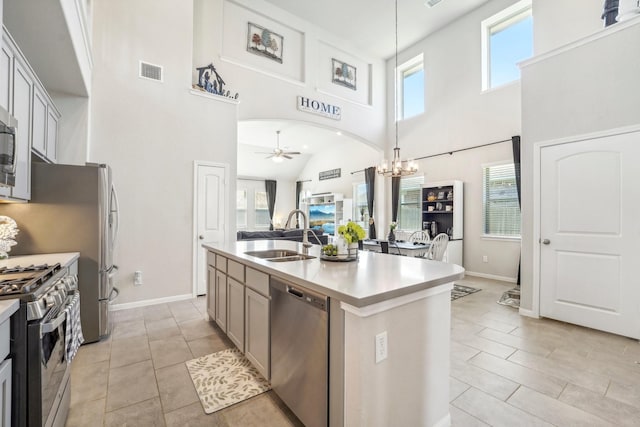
(150, 71)
(431, 3)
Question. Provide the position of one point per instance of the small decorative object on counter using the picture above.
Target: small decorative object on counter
(352, 233)
(392, 236)
(8, 232)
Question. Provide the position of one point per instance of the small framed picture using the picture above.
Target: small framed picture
(430, 208)
(343, 74)
(264, 42)
(439, 206)
(440, 196)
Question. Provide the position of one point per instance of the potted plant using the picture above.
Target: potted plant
(392, 236)
(351, 233)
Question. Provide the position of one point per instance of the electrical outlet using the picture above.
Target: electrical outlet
(381, 346)
(485, 258)
(137, 278)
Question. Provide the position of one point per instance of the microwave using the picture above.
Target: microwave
(8, 125)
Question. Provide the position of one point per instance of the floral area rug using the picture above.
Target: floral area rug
(225, 378)
(460, 291)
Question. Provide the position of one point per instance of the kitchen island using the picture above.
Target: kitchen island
(391, 308)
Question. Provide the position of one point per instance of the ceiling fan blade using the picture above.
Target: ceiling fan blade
(291, 152)
(286, 157)
(263, 152)
(270, 156)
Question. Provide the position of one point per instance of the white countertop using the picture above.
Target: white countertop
(7, 308)
(373, 278)
(64, 258)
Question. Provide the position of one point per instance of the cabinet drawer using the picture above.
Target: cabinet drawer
(235, 270)
(211, 259)
(221, 263)
(4, 339)
(258, 281)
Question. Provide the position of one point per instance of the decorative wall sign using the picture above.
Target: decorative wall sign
(330, 174)
(317, 107)
(263, 42)
(343, 74)
(216, 86)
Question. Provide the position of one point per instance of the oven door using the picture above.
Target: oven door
(53, 367)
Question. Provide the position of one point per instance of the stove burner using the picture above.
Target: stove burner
(25, 280)
(19, 269)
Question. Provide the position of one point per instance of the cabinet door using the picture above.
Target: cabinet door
(22, 89)
(221, 300)
(235, 313)
(211, 293)
(52, 135)
(5, 392)
(6, 75)
(39, 122)
(257, 331)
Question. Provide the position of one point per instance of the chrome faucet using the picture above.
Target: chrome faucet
(305, 223)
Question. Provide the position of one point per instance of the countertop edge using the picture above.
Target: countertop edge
(332, 293)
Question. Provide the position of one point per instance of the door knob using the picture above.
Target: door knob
(201, 237)
(546, 241)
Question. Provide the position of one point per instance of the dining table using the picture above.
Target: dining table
(398, 247)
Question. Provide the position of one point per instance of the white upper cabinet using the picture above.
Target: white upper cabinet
(22, 89)
(39, 125)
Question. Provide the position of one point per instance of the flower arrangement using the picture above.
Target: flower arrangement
(351, 232)
(393, 226)
(8, 231)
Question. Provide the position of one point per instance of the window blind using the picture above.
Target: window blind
(500, 201)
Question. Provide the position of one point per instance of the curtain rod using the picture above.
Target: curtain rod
(258, 179)
(451, 152)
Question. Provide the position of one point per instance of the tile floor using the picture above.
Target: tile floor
(506, 370)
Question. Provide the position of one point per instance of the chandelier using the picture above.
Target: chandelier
(398, 167)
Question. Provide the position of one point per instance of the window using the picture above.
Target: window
(410, 81)
(252, 212)
(261, 209)
(241, 208)
(501, 209)
(360, 206)
(507, 38)
(410, 203)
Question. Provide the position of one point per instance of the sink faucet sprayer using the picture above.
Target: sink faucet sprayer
(305, 223)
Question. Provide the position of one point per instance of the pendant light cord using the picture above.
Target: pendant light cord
(395, 79)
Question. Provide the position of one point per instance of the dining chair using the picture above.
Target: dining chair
(421, 240)
(438, 247)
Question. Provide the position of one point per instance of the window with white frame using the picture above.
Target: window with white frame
(360, 205)
(252, 212)
(410, 93)
(507, 38)
(410, 203)
(501, 210)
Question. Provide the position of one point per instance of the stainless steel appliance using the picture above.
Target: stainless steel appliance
(300, 351)
(8, 126)
(40, 387)
(74, 209)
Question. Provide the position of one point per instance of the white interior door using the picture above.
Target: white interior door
(590, 233)
(210, 208)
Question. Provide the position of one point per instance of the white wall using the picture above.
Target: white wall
(150, 133)
(73, 128)
(589, 87)
(269, 90)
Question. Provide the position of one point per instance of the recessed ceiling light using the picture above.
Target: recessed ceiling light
(431, 3)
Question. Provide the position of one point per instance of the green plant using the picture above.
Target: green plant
(351, 232)
(393, 226)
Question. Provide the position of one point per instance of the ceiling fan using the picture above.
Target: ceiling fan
(278, 154)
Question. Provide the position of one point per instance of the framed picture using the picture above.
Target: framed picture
(343, 74)
(441, 195)
(264, 42)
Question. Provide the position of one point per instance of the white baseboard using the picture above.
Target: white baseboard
(491, 276)
(126, 305)
(528, 313)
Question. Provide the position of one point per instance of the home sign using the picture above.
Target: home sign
(313, 106)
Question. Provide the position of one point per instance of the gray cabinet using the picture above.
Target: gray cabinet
(5, 392)
(211, 293)
(235, 313)
(221, 300)
(52, 135)
(39, 123)
(256, 321)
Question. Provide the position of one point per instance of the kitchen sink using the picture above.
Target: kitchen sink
(272, 253)
(298, 257)
(279, 255)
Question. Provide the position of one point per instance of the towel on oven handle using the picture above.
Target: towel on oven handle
(73, 337)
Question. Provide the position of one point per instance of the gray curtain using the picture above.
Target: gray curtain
(395, 197)
(370, 181)
(298, 191)
(515, 143)
(610, 12)
(270, 187)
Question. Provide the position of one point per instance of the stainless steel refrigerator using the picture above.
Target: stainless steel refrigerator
(74, 209)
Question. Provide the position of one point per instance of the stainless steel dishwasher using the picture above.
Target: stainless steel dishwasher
(300, 351)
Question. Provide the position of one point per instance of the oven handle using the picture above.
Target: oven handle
(45, 328)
